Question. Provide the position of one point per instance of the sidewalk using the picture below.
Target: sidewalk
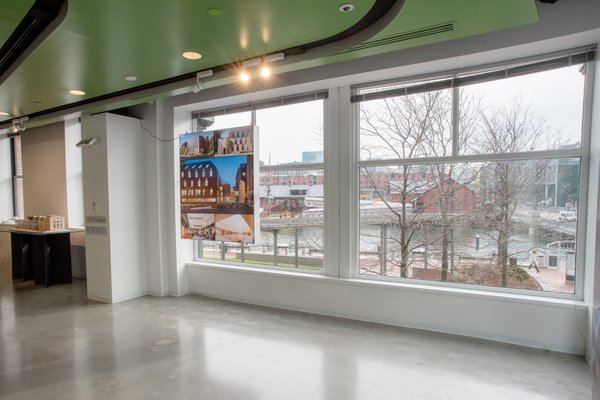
(551, 279)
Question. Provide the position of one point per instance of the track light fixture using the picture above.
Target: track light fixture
(262, 62)
(198, 86)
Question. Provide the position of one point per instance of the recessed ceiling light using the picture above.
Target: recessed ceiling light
(37, 102)
(214, 12)
(131, 78)
(244, 77)
(192, 55)
(4, 113)
(77, 92)
(346, 8)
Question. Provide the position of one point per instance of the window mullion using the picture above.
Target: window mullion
(543, 154)
(587, 177)
(331, 222)
(455, 121)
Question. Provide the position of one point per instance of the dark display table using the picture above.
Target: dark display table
(44, 257)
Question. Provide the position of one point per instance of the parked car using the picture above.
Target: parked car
(567, 216)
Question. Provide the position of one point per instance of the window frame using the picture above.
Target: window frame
(539, 64)
(342, 162)
(253, 107)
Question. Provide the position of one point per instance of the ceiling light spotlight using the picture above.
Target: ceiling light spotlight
(77, 92)
(131, 78)
(265, 71)
(244, 77)
(4, 114)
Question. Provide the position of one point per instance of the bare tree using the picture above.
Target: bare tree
(420, 125)
(449, 177)
(401, 128)
(510, 129)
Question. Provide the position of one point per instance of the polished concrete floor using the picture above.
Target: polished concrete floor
(56, 345)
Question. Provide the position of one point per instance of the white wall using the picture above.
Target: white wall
(126, 171)
(113, 175)
(44, 170)
(529, 321)
(95, 200)
(157, 234)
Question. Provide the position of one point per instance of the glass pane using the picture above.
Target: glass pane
(538, 111)
(405, 127)
(507, 223)
(291, 200)
(225, 121)
(19, 201)
(19, 206)
(291, 134)
(291, 223)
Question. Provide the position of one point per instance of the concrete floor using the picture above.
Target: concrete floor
(55, 345)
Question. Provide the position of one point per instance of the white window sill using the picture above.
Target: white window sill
(416, 287)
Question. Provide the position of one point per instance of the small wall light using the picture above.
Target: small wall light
(87, 142)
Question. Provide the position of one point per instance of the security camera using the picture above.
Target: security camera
(346, 8)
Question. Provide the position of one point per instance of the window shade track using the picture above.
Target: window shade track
(400, 89)
(260, 105)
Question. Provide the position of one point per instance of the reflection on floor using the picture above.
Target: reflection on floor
(56, 345)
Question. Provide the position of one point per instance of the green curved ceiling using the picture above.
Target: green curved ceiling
(102, 41)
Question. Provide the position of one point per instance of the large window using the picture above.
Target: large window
(291, 186)
(17, 167)
(473, 179)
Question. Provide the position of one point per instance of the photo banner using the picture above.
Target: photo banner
(218, 185)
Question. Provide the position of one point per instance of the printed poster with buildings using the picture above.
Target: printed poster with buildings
(218, 185)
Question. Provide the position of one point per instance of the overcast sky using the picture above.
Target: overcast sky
(284, 132)
(556, 95)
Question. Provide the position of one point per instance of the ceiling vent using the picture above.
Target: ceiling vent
(404, 36)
